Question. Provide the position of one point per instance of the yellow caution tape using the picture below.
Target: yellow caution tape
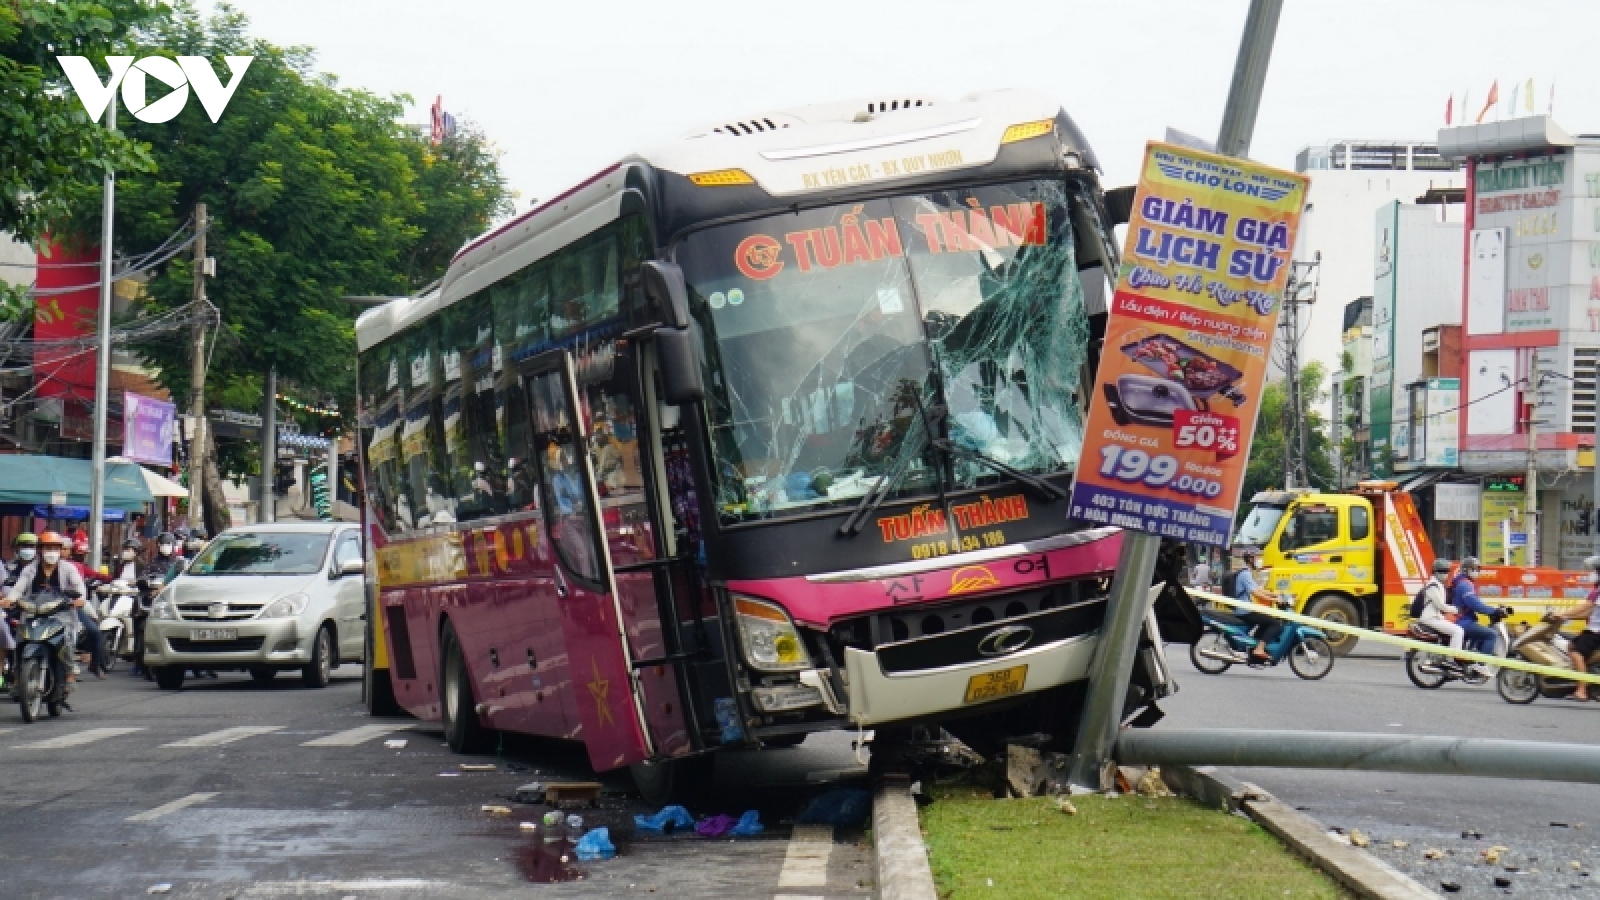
(1382, 637)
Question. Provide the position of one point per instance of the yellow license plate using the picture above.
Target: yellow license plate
(992, 685)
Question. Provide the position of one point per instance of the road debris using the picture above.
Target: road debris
(477, 767)
(1400, 845)
(1492, 854)
(1500, 881)
(396, 744)
(162, 888)
(497, 810)
(1450, 887)
(572, 794)
(1151, 784)
(1358, 838)
(1064, 805)
(1433, 853)
(528, 826)
(668, 820)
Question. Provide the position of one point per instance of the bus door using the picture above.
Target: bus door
(598, 656)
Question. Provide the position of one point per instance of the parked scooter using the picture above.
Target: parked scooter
(117, 600)
(1433, 670)
(1228, 640)
(1545, 645)
(41, 674)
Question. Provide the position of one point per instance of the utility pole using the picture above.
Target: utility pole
(197, 374)
(1296, 451)
(1130, 596)
(102, 372)
(1249, 76)
(1531, 490)
(269, 445)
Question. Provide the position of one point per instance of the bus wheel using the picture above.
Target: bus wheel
(462, 730)
(683, 780)
(1340, 610)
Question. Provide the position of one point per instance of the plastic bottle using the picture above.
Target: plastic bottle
(574, 828)
(552, 826)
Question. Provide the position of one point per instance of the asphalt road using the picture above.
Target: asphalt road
(232, 789)
(1547, 826)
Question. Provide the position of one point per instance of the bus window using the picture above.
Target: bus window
(380, 397)
(473, 438)
(430, 501)
(994, 271)
(565, 495)
(518, 330)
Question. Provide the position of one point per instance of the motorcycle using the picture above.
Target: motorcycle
(117, 600)
(41, 673)
(1433, 670)
(1545, 645)
(1228, 640)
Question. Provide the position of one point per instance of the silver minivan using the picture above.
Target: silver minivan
(263, 598)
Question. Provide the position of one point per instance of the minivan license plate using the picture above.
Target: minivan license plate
(213, 634)
(992, 685)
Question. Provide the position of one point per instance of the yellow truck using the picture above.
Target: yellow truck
(1358, 558)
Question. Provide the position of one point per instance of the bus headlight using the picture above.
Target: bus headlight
(771, 642)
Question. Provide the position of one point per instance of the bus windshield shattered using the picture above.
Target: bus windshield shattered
(937, 341)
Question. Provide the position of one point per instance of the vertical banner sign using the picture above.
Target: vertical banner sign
(1174, 408)
(147, 427)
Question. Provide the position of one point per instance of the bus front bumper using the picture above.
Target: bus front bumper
(877, 697)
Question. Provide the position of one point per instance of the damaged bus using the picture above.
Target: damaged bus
(763, 432)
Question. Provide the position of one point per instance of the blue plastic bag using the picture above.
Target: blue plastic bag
(749, 823)
(596, 845)
(667, 820)
(846, 807)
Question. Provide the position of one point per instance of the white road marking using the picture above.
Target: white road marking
(357, 735)
(798, 897)
(77, 739)
(225, 736)
(174, 806)
(806, 863)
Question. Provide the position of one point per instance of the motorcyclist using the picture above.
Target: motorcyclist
(1584, 644)
(1268, 628)
(1436, 606)
(52, 572)
(27, 549)
(1464, 597)
(194, 543)
(88, 614)
(161, 569)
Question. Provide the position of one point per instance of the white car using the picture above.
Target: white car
(263, 598)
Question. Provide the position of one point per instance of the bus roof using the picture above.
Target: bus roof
(816, 149)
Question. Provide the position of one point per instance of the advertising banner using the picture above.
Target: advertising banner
(1174, 408)
(147, 426)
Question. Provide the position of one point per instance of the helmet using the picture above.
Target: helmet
(1470, 564)
(166, 537)
(26, 539)
(198, 534)
(130, 544)
(50, 538)
(80, 546)
(1441, 566)
(1592, 562)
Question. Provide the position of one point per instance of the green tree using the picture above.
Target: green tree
(1265, 470)
(47, 142)
(314, 192)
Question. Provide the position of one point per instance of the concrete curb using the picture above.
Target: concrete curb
(1358, 870)
(900, 857)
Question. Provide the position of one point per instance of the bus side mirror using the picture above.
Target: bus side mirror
(681, 381)
(664, 286)
(1119, 205)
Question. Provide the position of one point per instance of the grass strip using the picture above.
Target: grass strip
(1129, 846)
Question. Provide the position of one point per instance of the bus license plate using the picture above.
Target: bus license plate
(991, 685)
(215, 634)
